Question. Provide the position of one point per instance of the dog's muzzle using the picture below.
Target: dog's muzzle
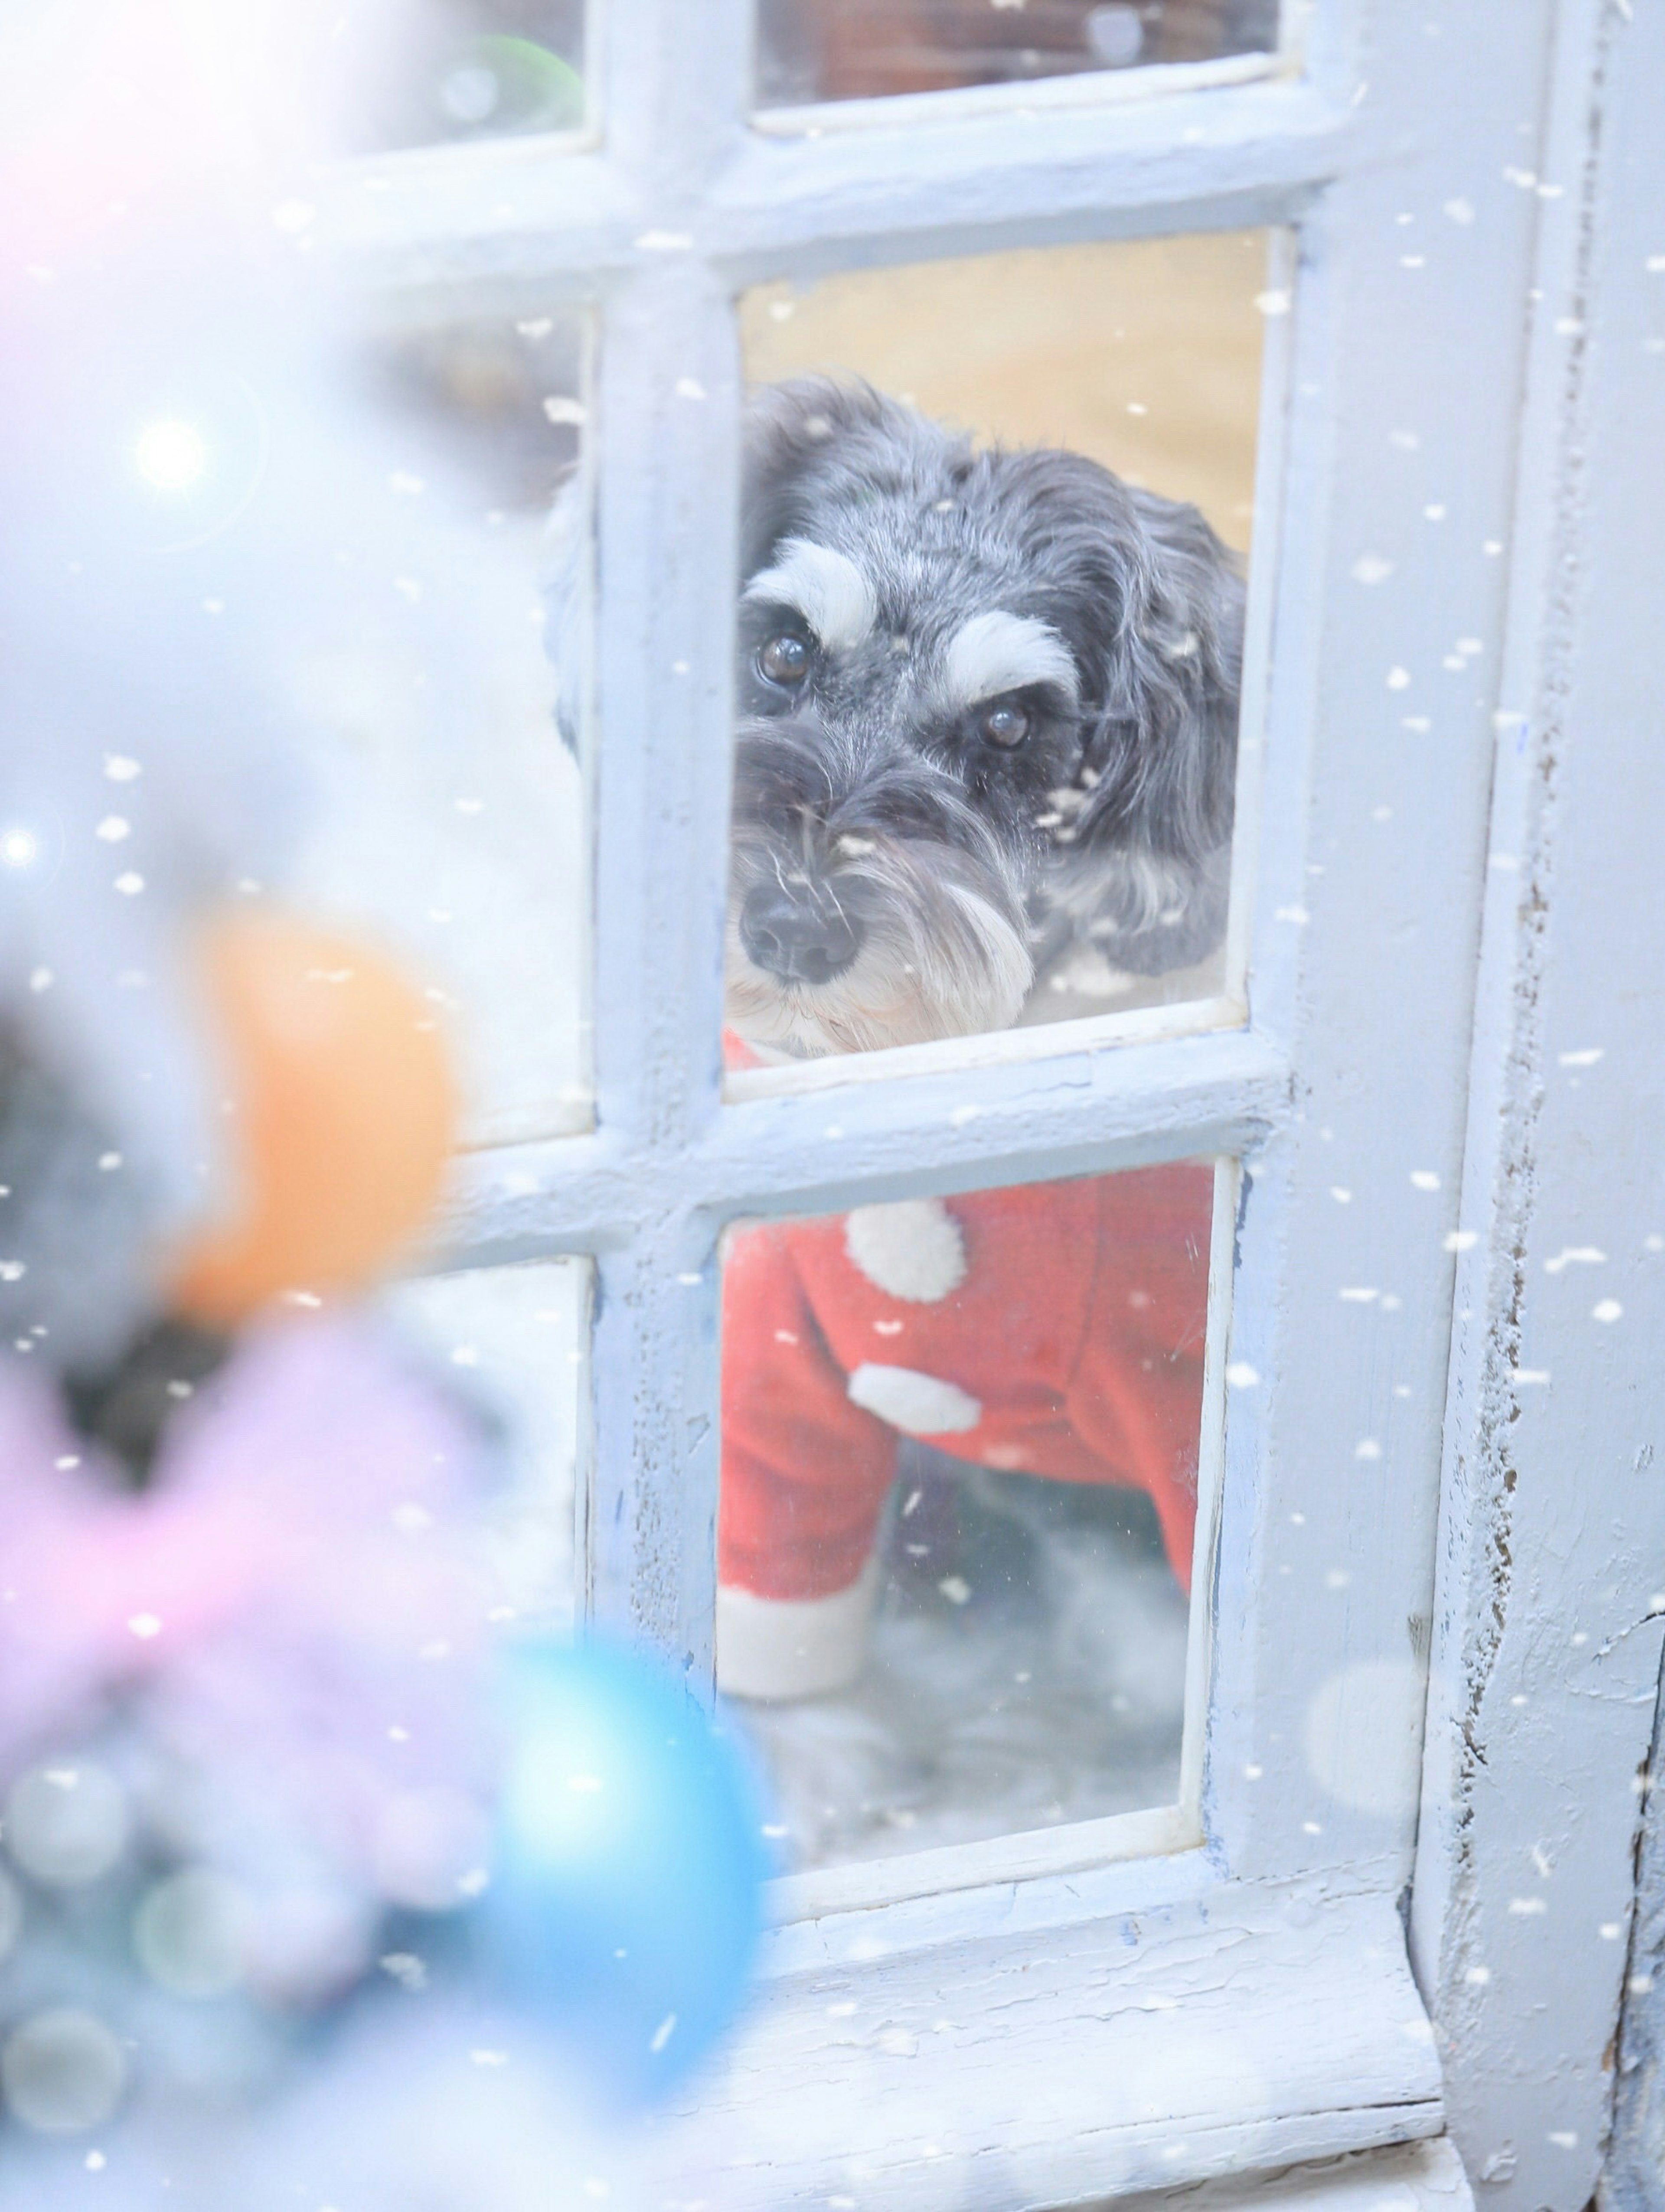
(873, 902)
(799, 931)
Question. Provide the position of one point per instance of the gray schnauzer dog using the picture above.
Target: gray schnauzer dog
(987, 716)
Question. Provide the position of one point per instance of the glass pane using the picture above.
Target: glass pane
(816, 49)
(447, 810)
(959, 1506)
(425, 70)
(512, 1342)
(994, 531)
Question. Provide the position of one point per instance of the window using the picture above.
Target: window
(1060, 2014)
(449, 817)
(969, 1484)
(810, 52)
(1142, 357)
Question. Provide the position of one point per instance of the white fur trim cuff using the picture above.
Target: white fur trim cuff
(793, 1647)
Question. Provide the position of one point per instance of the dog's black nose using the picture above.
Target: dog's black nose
(797, 934)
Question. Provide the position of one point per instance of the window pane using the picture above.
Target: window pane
(466, 69)
(816, 49)
(989, 641)
(960, 1504)
(449, 807)
(511, 1341)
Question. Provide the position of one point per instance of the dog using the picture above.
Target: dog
(986, 719)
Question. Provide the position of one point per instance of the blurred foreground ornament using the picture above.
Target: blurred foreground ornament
(345, 1116)
(252, 1619)
(625, 1903)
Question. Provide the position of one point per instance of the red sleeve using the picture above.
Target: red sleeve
(1137, 1394)
(805, 1473)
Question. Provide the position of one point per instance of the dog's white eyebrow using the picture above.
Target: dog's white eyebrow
(999, 652)
(829, 591)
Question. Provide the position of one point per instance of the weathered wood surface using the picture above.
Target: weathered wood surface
(1552, 1584)
(1059, 2065)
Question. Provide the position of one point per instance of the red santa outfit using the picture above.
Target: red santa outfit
(1055, 1329)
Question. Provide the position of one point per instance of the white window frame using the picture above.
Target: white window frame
(1550, 1604)
(1056, 2022)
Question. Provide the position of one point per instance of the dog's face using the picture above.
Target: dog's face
(987, 705)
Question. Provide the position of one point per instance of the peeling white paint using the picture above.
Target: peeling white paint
(1546, 1646)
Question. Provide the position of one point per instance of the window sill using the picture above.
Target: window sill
(1073, 2056)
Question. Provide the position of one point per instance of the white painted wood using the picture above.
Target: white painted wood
(1276, 374)
(666, 401)
(1200, 1639)
(1632, 2177)
(1198, 2036)
(1552, 1537)
(1370, 868)
(998, 1048)
(1072, 1113)
(1226, 158)
(1415, 2176)
(542, 220)
(993, 1863)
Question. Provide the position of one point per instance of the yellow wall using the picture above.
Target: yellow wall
(1056, 346)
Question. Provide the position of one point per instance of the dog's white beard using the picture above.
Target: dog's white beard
(962, 970)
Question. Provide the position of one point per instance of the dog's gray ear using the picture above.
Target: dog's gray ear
(566, 588)
(1163, 648)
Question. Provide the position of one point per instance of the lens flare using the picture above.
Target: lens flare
(171, 456)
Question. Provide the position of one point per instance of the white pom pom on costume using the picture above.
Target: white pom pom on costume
(911, 1248)
(918, 1405)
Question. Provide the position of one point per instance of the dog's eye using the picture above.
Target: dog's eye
(785, 660)
(1004, 724)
